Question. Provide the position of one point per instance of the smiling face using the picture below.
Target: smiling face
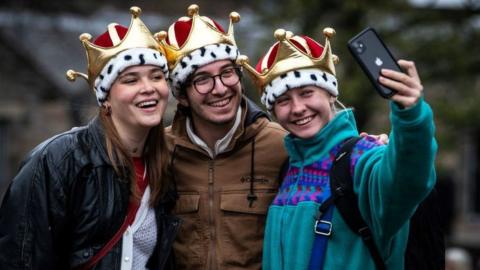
(138, 98)
(304, 111)
(218, 107)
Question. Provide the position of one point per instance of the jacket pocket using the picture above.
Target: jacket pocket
(237, 202)
(187, 203)
(242, 228)
(190, 246)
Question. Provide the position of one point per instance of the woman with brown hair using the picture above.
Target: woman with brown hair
(95, 196)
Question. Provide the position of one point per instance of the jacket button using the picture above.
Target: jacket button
(127, 259)
(86, 254)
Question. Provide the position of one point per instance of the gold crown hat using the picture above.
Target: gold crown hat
(194, 41)
(293, 61)
(117, 49)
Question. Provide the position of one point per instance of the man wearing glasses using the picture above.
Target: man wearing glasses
(225, 154)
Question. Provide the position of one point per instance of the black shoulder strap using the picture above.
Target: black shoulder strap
(283, 171)
(346, 201)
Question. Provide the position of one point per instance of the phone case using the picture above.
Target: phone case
(371, 53)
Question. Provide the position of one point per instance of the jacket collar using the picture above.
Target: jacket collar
(306, 151)
(254, 112)
(221, 144)
(95, 128)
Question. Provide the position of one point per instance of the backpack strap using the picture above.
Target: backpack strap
(346, 201)
(283, 171)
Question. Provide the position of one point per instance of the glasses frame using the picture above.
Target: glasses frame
(237, 70)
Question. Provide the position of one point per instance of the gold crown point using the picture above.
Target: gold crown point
(192, 10)
(329, 32)
(335, 59)
(71, 75)
(160, 35)
(85, 37)
(242, 59)
(135, 11)
(280, 34)
(235, 17)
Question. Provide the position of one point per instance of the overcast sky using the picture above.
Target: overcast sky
(444, 3)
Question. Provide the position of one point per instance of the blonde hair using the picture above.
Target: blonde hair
(338, 106)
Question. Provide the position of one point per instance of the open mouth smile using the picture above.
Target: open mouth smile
(147, 104)
(220, 103)
(303, 121)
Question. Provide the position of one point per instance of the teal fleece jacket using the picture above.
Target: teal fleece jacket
(390, 181)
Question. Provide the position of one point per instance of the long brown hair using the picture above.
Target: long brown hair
(154, 153)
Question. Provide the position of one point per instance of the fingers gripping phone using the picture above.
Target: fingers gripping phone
(371, 53)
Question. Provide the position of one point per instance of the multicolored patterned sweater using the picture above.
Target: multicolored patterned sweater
(390, 181)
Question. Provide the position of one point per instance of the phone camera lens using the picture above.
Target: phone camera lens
(359, 47)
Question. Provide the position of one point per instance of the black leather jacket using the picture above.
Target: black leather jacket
(66, 202)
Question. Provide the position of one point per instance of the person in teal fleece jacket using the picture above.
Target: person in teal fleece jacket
(297, 81)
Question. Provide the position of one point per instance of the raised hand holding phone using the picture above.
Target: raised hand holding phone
(407, 85)
(372, 55)
(398, 81)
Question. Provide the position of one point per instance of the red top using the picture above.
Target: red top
(142, 182)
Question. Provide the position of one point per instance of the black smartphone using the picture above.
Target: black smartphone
(370, 52)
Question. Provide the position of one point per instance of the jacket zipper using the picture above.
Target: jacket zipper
(211, 216)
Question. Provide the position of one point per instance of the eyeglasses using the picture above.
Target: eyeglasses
(204, 84)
